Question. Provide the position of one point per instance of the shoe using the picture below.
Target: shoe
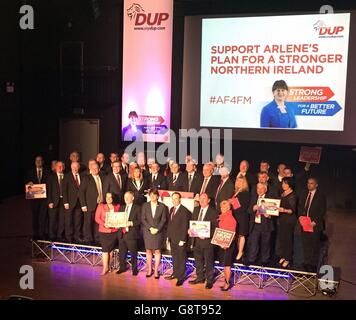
(285, 264)
(135, 272)
(179, 283)
(209, 285)
(120, 271)
(226, 288)
(149, 275)
(157, 277)
(240, 260)
(171, 277)
(104, 273)
(196, 281)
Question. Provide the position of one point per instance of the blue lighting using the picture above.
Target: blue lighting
(169, 259)
(76, 249)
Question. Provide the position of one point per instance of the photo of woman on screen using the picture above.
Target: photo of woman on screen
(278, 113)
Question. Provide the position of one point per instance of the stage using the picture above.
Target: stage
(61, 279)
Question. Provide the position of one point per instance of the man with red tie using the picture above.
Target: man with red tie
(210, 183)
(73, 215)
(177, 233)
(115, 183)
(312, 204)
(129, 236)
(175, 180)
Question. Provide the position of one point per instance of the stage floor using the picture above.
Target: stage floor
(60, 280)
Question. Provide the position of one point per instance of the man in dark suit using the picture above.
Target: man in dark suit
(38, 175)
(192, 179)
(263, 177)
(243, 171)
(55, 203)
(226, 187)
(210, 182)
(115, 183)
(129, 236)
(125, 163)
(177, 234)
(261, 227)
(90, 195)
(75, 157)
(265, 167)
(156, 179)
(103, 166)
(202, 247)
(175, 180)
(73, 215)
(313, 204)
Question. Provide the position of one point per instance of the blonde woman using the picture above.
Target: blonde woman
(137, 186)
(240, 202)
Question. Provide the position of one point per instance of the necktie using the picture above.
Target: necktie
(307, 204)
(190, 178)
(204, 186)
(76, 179)
(98, 186)
(174, 178)
(173, 212)
(154, 178)
(219, 188)
(39, 175)
(200, 217)
(118, 178)
(60, 184)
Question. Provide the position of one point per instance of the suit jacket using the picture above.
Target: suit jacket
(317, 209)
(212, 216)
(124, 170)
(32, 176)
(272, 190)
(160, 219)
(88, 193)
(211, 188)
(225, 193)
(178, 225)
(105, 169)
(195, 184)
(70, 189)
(178, 185)
(159, 183)
(138, 192)
(266, 223)
(250, 177)
(135, 216)
(112, 186)
(54, 189)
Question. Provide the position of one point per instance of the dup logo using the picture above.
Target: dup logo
(323, 30)
(141, 17)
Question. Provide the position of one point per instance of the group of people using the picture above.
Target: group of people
(79, 198)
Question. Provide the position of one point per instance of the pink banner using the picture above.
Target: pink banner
(147, 64)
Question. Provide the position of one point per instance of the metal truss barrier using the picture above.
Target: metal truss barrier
(290, 281)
